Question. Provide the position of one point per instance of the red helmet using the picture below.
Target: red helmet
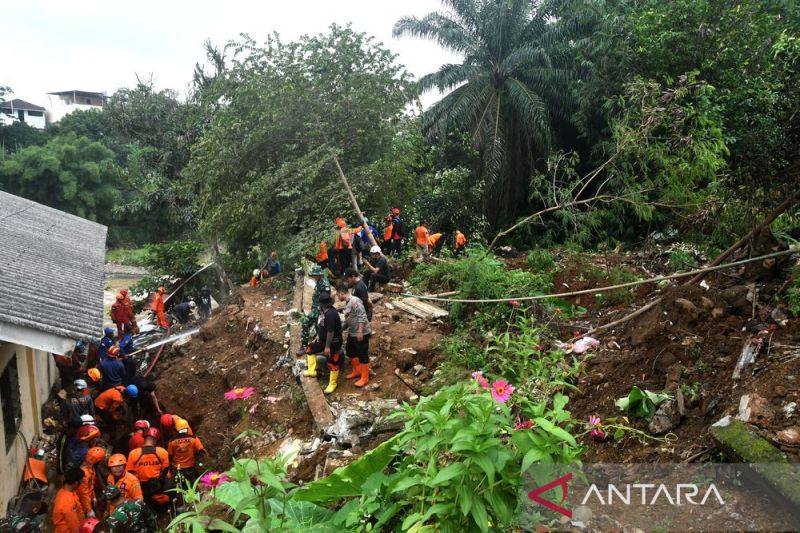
(89, 524)
(123, 292)
(142, 424)
(117, 460)
(153, 432)
(87, 433)
(166, 420)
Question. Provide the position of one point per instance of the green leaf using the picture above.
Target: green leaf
(478, 512)
(531, 457)
(555, 430)
(348, 480)
(448, 473)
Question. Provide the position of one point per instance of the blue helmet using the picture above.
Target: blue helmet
(132, 390)
(109, 332)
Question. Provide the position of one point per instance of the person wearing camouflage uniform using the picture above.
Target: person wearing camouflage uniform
(131, 516)
(310, 318)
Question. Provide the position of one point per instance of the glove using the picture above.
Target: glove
(90, 514)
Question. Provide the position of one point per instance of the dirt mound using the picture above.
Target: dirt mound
(242, 345)
(692, 340)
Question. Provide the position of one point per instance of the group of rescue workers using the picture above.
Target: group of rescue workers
(348, 255)
(119, 467)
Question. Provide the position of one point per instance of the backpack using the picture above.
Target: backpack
(402, 229)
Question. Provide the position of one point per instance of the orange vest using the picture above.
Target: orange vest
(322, 254)
(85, 490)
(67, 512)
(387, 233)
(147, 466)
(128, 485)
(422, 235)
(460, 239)
(183, 450)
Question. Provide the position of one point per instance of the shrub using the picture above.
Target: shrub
(793, 293)
(539, 260)
(128, 256)
(681, 260)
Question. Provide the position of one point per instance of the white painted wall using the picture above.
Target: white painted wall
(60, 107)
(37, 374)
(27, 118)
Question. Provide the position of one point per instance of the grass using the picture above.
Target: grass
(127, 256)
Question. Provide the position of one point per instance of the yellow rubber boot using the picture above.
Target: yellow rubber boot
(355, 372)
(364, 368)
(312, 366)
(332, 382)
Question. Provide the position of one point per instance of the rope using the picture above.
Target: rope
(604, 289)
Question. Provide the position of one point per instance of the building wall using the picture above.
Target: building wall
(36, 374)
(35, 122)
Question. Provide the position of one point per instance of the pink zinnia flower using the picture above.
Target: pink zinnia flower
(501, 390)
(212, 480)
(239, 393)
(514, 303)
(478, 376)
(528, 424)
(594, 421)
(596, 432)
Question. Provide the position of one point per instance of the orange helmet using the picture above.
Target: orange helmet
(180, 424)
(340, 222)
(113, 351)
(95, 455)
(120, 296)
(87, 433)
(116, 460)
(123, 292)
(94, 374)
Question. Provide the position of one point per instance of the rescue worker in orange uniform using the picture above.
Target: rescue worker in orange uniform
(421, 234)
(128, 304)
(322, 255)
(127, 483)
(109, 402)
(86, 487)
(387, 233)
(461, 241)
(184, 451)
(150, 465)
(342, 245)
(158, 307)
(67, 511)
(120, 317)
(168, 425)
(435, 243)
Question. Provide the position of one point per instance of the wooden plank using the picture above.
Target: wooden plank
(410, 309)
(433, 310)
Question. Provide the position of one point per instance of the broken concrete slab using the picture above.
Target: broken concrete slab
(365, 419)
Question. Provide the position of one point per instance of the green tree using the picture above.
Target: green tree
(19, 135)
(70, 173)
(508, 91)
(262, 172)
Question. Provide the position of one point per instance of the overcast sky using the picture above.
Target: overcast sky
(100, 46)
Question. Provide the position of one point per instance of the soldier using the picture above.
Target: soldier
(310, 319)
(131, 516)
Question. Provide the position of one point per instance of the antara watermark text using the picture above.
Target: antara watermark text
(652, 494)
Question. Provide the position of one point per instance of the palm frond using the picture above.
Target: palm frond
(525, 57)
(440, 28)
(449, 76)
(531, 110)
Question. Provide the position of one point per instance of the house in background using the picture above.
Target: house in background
(65, 102)
(51, 294)
(19, 110)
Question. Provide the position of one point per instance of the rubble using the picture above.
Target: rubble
(364, 419)
(756, 410)
(666, 418)
(790, 436)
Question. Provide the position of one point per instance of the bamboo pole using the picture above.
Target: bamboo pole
(354, 202)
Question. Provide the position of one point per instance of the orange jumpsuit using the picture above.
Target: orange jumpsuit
(129, 486)
(158, 309)
(183, 451)
(322, 254)
(460, 240)
(128, 304)
(85, 490)
(111, 400)
(67, 512)
(146, 467)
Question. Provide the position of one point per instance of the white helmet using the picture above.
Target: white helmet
(256, 273)
(375, 249)
(192, 304)
(79, 384)
(87, 420)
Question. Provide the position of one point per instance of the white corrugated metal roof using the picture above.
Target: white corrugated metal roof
(51, 269)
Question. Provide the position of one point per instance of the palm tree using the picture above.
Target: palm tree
(507, 92)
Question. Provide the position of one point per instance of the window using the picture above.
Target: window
(21, 115)
(12, 404)
(35, 113)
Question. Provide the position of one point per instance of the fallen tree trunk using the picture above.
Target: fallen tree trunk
(354, 202)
